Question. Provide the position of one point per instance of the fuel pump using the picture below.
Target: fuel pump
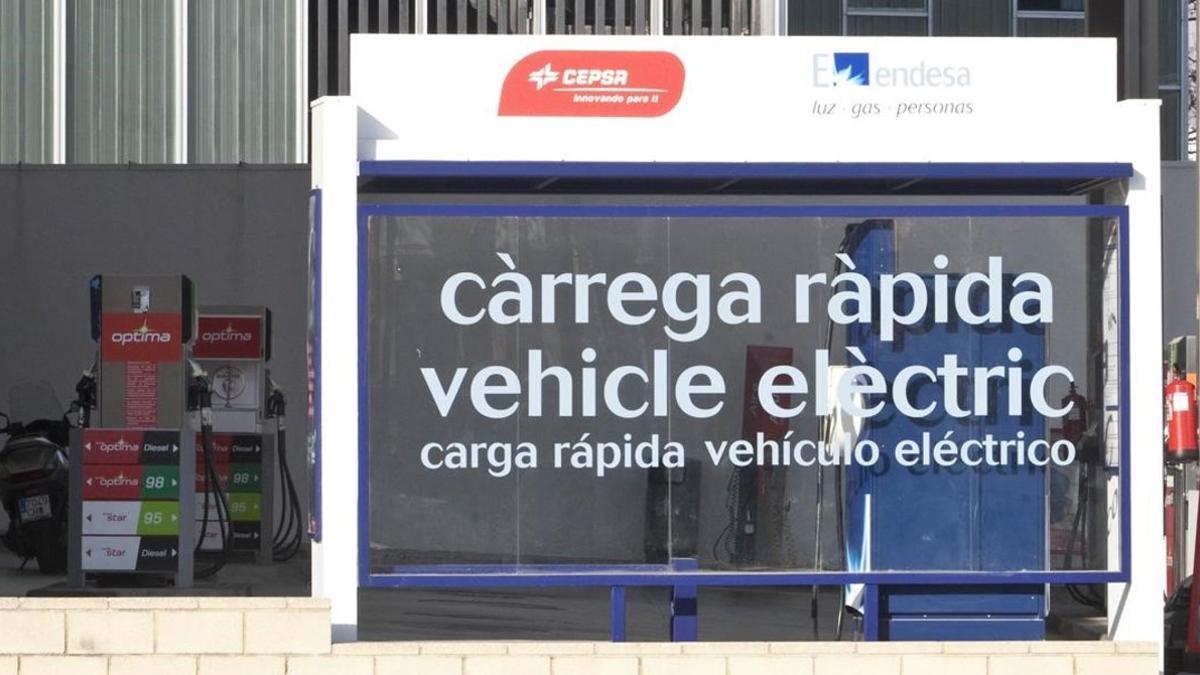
(129, 506)
(233, 344)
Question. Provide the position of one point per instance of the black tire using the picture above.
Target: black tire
(50, 549)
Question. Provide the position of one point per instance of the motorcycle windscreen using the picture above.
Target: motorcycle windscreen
(30, 401)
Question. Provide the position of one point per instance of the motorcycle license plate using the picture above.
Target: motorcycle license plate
(34, 508)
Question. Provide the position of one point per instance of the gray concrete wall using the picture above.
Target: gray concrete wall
(1179, 249)
(240, 233)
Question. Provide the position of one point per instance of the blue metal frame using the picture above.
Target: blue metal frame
(426, 576)
(364, 547)
(723, 170)
(616, 618)
(871, 616)
(314, 528)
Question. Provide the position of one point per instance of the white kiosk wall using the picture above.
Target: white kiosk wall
(793, 100)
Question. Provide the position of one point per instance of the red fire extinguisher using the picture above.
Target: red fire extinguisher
(1075, 422)
(1181, 420)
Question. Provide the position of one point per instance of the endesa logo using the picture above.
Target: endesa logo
(592, 84)
(141, 337)
(854, 69)
(228, 337)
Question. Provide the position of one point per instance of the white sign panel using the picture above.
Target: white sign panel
(438, 97)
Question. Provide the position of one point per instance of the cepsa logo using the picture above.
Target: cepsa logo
(141, 337)
(592, 84)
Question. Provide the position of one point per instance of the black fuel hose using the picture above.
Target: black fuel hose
(289, 531)
(212, 485)
(1084, 595)
(200, 395)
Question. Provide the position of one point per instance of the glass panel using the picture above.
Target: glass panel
(634, 389)
(617, 514)
(814, 17)
(1050, 5)
(973, 18)
(1172, 125)
(1050, 27)
(886, 4)
(418, 515)
(886, 25)
(1170, 31)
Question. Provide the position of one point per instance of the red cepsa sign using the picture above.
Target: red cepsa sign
(593, 84)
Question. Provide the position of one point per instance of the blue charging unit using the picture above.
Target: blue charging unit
(946, 519)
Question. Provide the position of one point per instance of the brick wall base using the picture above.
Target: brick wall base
(291, 636)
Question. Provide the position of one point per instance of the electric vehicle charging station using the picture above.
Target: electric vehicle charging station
(131, 494)
(550, 157)
(233, 345)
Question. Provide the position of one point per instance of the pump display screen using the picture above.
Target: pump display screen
(870, 391)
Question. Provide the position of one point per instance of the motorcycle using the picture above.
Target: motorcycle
(33, 476)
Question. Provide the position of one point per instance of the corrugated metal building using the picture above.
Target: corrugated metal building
(152, 81)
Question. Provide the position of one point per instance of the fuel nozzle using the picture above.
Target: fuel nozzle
(85, 396)
(199, 394)
(276, 404)
(85, 388)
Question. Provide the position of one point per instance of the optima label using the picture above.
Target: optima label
(151, 338)
(140, 336)
(121, 445)
(112, 446)
(229, 337)
(130, 446)
(132, 482)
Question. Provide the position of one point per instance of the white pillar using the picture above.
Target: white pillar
(1135, 610)
(335, 173)
(300, 152)
(179, 145)
(58, 146)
